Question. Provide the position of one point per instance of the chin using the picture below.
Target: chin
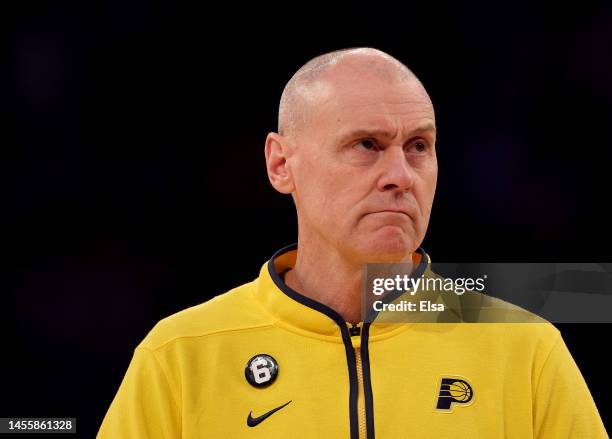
(388, 248)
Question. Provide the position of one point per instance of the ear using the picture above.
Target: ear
(277, 150)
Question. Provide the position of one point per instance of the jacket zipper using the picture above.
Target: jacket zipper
(355, 331)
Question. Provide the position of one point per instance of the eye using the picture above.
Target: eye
(419, 146)
(367, 144)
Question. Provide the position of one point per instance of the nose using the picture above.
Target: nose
(396, 173)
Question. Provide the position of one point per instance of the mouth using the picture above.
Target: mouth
(392, 211)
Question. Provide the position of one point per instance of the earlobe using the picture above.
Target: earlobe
(279, 174)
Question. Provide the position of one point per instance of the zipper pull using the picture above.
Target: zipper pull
(355, 329)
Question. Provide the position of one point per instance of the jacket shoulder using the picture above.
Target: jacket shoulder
(234, 310)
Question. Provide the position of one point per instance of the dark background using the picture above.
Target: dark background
(133, 137)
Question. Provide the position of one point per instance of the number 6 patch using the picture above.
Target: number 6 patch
(261, 370)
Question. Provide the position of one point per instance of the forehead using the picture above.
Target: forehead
(368, 103)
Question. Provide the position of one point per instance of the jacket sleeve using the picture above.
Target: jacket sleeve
(563, 406)
(145, 405)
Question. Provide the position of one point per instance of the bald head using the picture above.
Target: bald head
(314, 82)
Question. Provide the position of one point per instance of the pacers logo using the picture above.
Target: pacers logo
(454, 391)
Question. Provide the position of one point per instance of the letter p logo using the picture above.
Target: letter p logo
(454, 391)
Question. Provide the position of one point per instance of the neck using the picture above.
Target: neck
(323, 274)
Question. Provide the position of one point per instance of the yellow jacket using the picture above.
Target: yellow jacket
(188, 377)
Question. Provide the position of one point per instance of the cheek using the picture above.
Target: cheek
(429, 193)
(315, 187)
(332, 196)
(426, 189)
(328, 196)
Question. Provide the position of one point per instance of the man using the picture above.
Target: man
(287, 355)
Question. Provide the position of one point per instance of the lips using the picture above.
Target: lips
(408, 208)
(392, 211)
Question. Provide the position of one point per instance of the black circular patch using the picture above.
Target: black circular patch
(261, 370)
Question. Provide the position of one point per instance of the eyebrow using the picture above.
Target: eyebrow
(360, 133)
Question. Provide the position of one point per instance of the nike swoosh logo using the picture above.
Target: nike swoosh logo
(252, 422)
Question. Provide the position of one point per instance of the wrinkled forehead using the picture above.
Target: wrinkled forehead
(367, 103)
